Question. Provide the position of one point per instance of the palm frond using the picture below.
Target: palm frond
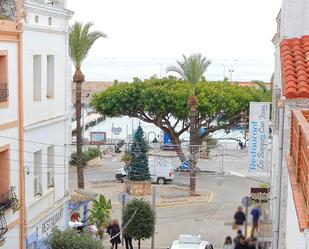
(81, 40)
(192, 68)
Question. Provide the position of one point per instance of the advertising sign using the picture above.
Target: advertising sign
(97, 137)
(260, 194)
(258, 136)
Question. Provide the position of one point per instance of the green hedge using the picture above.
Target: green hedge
(89, 154)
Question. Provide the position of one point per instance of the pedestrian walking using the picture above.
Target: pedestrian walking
(238, 236)
(239, 218)
(128, 241)
(228, 244)
(114, 231)
(243, 244)
(255, 212)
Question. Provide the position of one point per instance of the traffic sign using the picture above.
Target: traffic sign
(127, 168)
(246, 201)
(123, 197)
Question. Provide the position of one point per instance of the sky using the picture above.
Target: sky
(145, 36)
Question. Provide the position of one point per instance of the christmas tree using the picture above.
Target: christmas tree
(139, 163)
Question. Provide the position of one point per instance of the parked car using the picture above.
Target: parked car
(186, 241)
(160, 173)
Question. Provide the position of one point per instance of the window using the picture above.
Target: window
(37, 173)
(4, 90)
(50, 166)
(50, 21)
(50, 75)
(37, 72)
(36, 19)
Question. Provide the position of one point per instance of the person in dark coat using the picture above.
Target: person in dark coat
(239, 218)
(242, 243)
(237, 238)
(114, 231)
(128, 241)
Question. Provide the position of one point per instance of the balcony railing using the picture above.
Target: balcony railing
(8, 199)
(4, 92)
(299, 154)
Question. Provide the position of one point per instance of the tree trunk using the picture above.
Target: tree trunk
(175, 140)
(139, 243)
(78, 79)
(194, 142)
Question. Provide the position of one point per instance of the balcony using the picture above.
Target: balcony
(298, 163)
(4, 92)
(8, 200)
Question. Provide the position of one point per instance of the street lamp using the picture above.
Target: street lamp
(223, 71)
(231, 74)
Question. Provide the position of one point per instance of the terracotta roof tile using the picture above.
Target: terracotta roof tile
(295, 67)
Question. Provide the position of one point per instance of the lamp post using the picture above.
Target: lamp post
(223, 71)
(231, 74)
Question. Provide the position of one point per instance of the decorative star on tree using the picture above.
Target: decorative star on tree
(139, 163)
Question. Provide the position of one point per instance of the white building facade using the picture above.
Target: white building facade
(292, 23)
(47, 133)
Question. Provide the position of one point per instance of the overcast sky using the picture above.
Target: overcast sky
(223, 30)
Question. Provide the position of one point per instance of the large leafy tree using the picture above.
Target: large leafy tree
(163, 102)
(81, 39)
(71, 239)
(139, 220)
(192, 69)
(139, 162)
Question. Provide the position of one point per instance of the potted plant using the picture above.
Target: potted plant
(126, 158)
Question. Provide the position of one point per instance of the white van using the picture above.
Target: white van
(186, 241)
(161, 171)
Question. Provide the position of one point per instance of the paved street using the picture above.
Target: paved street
(207, 218)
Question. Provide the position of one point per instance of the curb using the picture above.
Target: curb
(188, 201)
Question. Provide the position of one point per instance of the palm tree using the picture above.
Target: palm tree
(81, 40)
(192, 69)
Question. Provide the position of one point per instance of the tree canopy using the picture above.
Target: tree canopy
(139, 217)
(163, 102)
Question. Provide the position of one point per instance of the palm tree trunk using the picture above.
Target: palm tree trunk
(194, 138)
(79, 143)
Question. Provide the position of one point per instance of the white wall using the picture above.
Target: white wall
(295, 16)
(51, 134)
(38, 43)
(294, 238)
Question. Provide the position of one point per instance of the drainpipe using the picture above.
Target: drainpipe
(22, 198)
(276, 224)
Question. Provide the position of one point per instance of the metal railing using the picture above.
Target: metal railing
(299, 151)
(7, 199)
(4, 92)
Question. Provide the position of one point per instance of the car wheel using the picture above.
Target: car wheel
(161, 181)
